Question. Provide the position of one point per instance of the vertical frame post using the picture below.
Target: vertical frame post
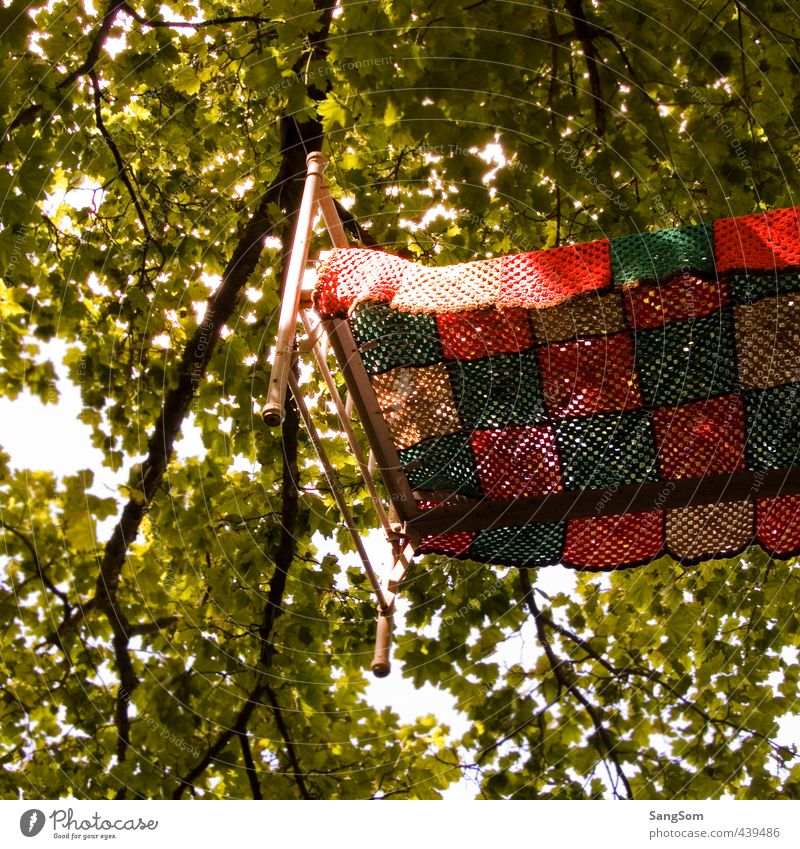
(382, 661)
(273, 411)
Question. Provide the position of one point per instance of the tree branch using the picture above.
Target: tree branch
(219, 308)
(287, 740)
(556, 665)
(27, 115)
(37, 564)
(194, 361)
(296, 140)
(636, 80)
(141, 629)
(584, 34)
(239, 727)
(511, 734)
(210, 22)
(654, 675)
(249, 765)
(746, 95)
(351, 223)
(88, 64)
(284, 555)
(127, 678)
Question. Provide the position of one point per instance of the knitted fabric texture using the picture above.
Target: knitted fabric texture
(653, 357)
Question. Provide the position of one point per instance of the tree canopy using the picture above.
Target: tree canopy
(151, 165)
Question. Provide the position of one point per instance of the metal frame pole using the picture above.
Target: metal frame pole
(336, 490)
(331, 217)
(316, 196)
(381, 664)
(273, 410)
(344, 419)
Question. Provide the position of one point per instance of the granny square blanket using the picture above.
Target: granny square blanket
(658, 356)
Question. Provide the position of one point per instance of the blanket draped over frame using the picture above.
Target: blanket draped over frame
(654, 357)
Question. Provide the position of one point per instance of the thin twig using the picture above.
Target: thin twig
(122, 167)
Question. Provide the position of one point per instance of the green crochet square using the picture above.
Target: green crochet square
(445, 463)
(662, 254)
(498, 391)
(772, 427)
(607, 449)
(686, 360)
(537, 544)
(388, 338)
(749, 288)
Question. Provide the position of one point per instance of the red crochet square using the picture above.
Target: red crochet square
(706, 437)
(453, 545)
(762, 242)
(778, 524)
(484, 333)
(545, 278)
(650, 305)
(517, 461)
(608, 542)
(586, 376)
(352, 275)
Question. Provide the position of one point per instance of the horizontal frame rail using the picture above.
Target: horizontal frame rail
(609, 501)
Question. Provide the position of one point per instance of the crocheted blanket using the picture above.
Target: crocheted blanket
(658, 356)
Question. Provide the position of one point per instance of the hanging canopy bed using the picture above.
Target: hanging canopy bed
(596, 405)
